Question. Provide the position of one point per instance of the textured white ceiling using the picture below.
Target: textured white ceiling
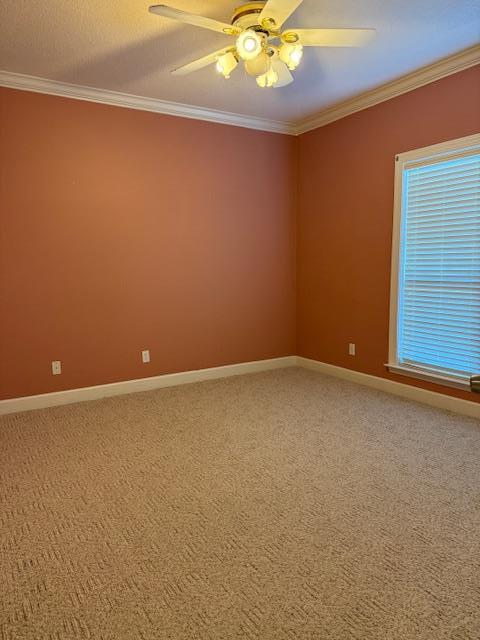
(119, 45)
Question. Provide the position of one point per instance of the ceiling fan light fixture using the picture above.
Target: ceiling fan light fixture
(291, 54)
(254, 25)
(226, 64)
(249, 44)
(259, 65)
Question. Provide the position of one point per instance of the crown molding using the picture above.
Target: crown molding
(129, 101)
(440, 69)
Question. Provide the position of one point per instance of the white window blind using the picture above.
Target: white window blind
(438, 315)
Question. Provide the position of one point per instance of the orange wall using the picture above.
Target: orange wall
(124, 230)
(346, 172)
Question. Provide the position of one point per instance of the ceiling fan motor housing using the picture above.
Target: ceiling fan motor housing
(246, 16)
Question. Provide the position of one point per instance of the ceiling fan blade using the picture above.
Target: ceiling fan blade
(201, 62)
(332, 37)
(278, 11)
(191, 18)
(284, 75)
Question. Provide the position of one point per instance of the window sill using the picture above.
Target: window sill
(430, 376)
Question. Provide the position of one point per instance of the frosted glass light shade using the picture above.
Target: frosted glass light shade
(259, 65)
(291, 54)
(249, 44)
(268, 79)
(226, 64)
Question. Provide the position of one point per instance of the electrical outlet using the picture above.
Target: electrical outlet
(351, 349)
(145, 356)
(56, 367)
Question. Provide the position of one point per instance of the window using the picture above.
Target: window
(435, 292)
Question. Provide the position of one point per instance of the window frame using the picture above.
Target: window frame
(444, 151)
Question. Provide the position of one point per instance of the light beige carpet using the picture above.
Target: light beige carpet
(281, 505)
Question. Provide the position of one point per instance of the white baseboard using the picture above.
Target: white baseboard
(439, 400)
(56, 398)
(432, 398)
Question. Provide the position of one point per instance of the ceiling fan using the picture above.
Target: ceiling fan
(268, 53)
